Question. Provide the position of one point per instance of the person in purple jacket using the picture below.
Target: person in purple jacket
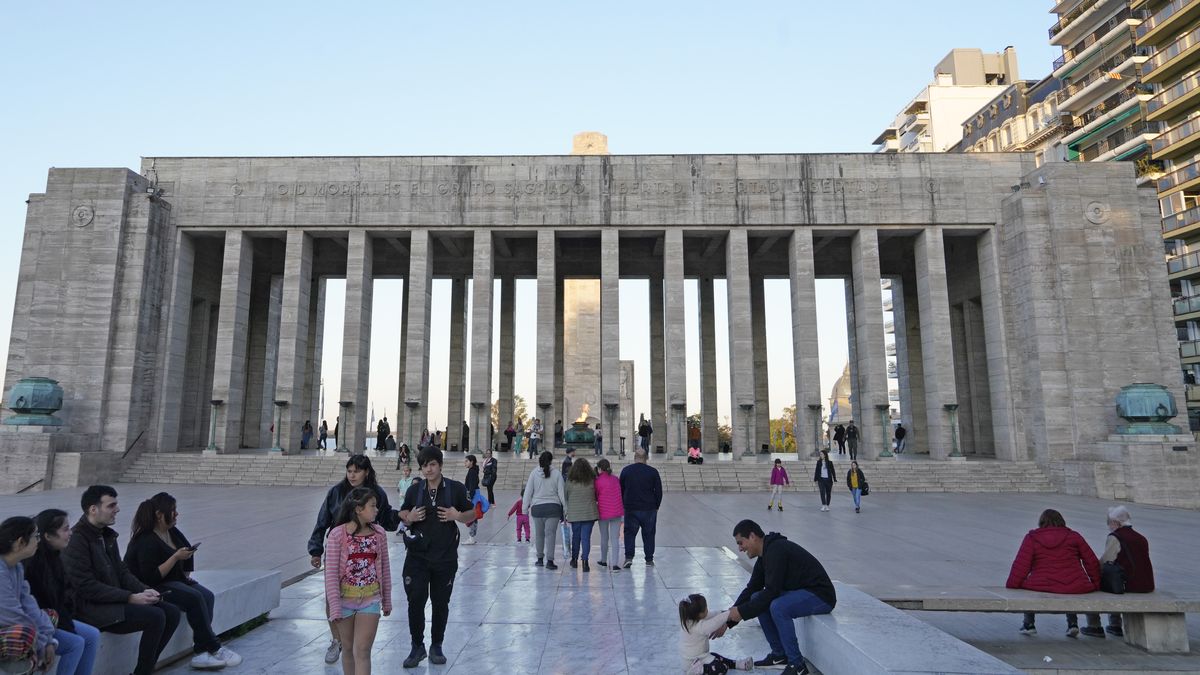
(612, 511)
(779, 478)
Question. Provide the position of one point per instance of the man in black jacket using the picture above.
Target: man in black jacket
(641, 495)
(107, 595)
(787, 582)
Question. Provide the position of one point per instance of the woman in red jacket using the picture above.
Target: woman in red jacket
(1054, 559)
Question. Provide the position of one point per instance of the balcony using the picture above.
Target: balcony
(1182, 265)
(1171, 17)
(1113, 73)
(1178, 221)
(1179, 140)
(1173, 97)
(1183, 177)
(1192, 392)
(1069, 26)
(890, 349)
(1098, 35)
(915, 122)
(1189, 349)
(889, 327)
(1119, 143)
(1172, 59)
(1185, 306)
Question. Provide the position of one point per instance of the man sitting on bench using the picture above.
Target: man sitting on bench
(787, 582)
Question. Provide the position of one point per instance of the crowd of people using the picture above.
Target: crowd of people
(64, 584)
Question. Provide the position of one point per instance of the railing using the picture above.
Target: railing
(1189, 349)
(1176, 221)
(1101, 72)
(1188, 172)
(1105, 28)
(1171, 51)
(1187, 305)
(1183, 262)
(1116, 140)
(1161, 16)
(1175, 134)
(1070, 16)
(1107, 105)
(1173, 93)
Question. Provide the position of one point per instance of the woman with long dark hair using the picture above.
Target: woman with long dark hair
(48, 582)
(582, 511)
(25, 630)
(472, 485)
(359, 473)
(544, 500)
(161, 557)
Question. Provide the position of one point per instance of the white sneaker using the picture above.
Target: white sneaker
(469, 541)
(334, 652)
(206, 661)
(230, 657)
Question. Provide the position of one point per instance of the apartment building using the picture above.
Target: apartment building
(1169, 33)
(1023, 118)
(962, 82)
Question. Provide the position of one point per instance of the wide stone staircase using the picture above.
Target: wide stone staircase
(887, 475)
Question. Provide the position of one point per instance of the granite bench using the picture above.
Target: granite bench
(241, 595)
(1154, 621)
(864, 635)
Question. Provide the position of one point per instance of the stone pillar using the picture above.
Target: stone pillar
(560, 395)
(179, 315)
(709, 442)
(296, 312)
(456, 406)
(741, 345)
(316, 339)
(805, 345)
(356, 342)
(762, 393)
(870, 388)
(937, 348)
(481, 340)
(505, 407)
(549, 336)
(419, 289)
(658, 384)
(675, 347)
(399, 428)
(229, 377)
(1003, 422)
(610, 338)
(911, 378)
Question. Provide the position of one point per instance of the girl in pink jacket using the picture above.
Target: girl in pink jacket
(358, 578)
(608, 500)
(779, 478)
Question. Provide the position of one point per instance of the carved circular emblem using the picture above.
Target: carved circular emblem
(931, 186)
(237, 189)
(1097, 212)
(82, 215)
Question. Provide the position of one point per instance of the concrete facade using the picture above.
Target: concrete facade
(1033, 293)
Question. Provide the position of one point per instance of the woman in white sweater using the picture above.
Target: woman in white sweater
(544, 501)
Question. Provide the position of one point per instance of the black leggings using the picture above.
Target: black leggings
(157, 624)
(719, 665)
(826, 486)
(491, 495)
(197, 602)
(423, 581)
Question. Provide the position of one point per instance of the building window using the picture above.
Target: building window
(1039, 159)
(1008, 138)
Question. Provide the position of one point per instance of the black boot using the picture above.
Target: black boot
(436, 656)
(416, 656)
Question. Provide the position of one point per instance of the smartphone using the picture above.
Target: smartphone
(194, 546)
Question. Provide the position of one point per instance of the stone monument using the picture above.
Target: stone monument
(32, 437)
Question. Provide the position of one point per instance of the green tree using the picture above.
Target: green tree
(724, 433)
(520, 413)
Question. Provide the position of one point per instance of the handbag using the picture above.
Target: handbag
(1112, 578)
(866, 489)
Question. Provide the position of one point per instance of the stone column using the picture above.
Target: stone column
(937, 348)
(870, 387)
(911, 376)
(560, 396)
(356, 342)
(762, 393)
(658, 384)
(419, 289)
(805, 345)
(610, 338)
(229, 383)
(179, 315)
(675, 347)
(708, 369)
(549, 336)
(1003, 421)
(456, 406)
(508, 296)
(399, 428)
(741, 345)
(481, 340)
(316, 339)
(293, 336)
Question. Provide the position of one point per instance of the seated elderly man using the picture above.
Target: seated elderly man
(1131, 551)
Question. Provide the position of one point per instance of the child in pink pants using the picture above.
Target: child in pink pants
(522, 520)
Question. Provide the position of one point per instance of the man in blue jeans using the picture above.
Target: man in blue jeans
(787, 582)
(641, 495)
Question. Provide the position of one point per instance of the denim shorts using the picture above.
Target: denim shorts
(373, 608)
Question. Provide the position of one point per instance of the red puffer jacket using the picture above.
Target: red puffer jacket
(1055, 560)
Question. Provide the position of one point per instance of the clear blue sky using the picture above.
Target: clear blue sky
(102, 84)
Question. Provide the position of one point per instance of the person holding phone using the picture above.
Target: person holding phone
(161, 557)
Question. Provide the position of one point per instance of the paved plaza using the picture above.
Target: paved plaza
(508, 616)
